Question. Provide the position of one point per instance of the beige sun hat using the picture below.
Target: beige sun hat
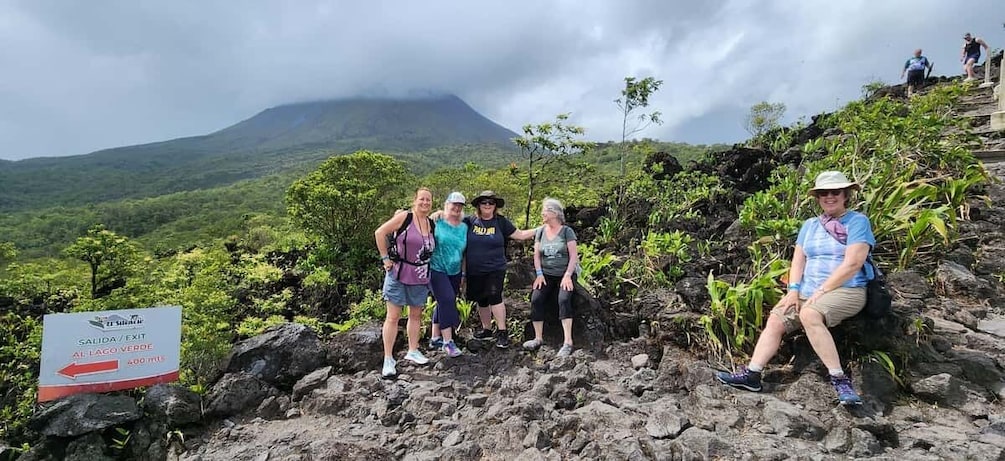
(830, 180)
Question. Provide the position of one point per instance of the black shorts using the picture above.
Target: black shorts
(486, 289)
(916, 77)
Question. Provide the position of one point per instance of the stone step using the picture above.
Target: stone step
(990, 156)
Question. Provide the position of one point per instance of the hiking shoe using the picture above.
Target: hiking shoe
(502, 339)
(743, 379)
(532, 344)
(484, 333)
(416, 357)
(565, 351)
(451, 349)
(435, 343)
(846, 393)
(388, 370)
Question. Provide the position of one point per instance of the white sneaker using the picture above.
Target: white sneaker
(388, 370)
(416, 357)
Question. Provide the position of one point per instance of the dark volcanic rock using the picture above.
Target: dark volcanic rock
(279, 356)
(82, 413)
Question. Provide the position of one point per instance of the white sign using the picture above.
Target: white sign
(108, 350)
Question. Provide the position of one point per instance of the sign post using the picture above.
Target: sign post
(108, 350)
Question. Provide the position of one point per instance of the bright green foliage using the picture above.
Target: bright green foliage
(763, 117)
(635, 97)
(678, 198)
(737, 313)
(20, 343)
(544, 144)
(658, 260)
(594, 264)
(343, 201)
(371, 307)
(109, 255)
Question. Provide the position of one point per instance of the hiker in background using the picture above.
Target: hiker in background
(406, 282)
(915, 68)
(488, 232)
(970, 54)
(447, 271)
(555, 261)
(827, 284)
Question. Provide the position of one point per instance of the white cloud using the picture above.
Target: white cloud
(84, 76)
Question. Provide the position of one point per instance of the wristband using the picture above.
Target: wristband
(539, 272)
(793, 286)
(385, 258)
(464, 274)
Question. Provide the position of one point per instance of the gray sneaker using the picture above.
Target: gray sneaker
(565, 351)
(532, 345)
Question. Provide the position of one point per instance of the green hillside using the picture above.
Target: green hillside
(425, 133)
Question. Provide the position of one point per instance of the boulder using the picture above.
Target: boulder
(695, 443)
(82, 413)
(236, 392)
(90, 447)
(909, 284)
(175, 405)
(666, 423)
(957, 280)
(789, 421)
(308, 383)
(279, 356)
(361, 348)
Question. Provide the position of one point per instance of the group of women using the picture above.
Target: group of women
(826, 283)
(446, 251)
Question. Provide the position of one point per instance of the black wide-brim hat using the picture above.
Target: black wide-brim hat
(488, 194)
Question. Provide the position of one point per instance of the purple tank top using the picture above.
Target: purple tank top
(412, 245)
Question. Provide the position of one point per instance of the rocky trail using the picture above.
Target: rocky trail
(289, 395)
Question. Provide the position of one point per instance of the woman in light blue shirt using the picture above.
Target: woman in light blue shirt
(827, 284)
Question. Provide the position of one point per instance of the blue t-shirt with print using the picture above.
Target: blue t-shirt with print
(487, 243)
(824, 253)
(451, 241)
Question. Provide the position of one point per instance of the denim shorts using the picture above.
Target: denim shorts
(399, 294)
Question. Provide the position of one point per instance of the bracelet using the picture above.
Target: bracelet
(385, 258)
(793, 286)
(464, 274)
(539, 272)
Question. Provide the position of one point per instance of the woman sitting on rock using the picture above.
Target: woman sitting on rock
(407, 280)
(555, 261)
(827, 283)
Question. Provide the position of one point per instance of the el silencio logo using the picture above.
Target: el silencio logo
(116, 322)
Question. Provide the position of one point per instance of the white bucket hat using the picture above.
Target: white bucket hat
(830, 180)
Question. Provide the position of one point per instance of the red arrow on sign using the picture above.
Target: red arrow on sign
(74, 369)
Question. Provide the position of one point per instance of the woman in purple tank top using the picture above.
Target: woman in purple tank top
(406, 283)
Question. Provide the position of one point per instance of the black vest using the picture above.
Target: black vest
(972, 47)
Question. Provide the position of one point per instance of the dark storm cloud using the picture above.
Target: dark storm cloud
(89, 75)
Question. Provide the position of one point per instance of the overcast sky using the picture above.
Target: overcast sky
(85, 75)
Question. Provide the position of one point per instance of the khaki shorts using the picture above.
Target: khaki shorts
(835, 306)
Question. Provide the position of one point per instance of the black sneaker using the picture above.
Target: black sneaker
(484, 333)
(743, 379)
(502, 339)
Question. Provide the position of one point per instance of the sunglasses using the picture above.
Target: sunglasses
(834, 192)
(487, 202)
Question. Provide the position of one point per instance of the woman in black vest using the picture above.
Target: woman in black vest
(971, 53)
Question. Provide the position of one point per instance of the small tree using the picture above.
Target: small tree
(543, 144)
(634, 97)
(7, 253)
(109, 255)
(344, 200)
(763, 117)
